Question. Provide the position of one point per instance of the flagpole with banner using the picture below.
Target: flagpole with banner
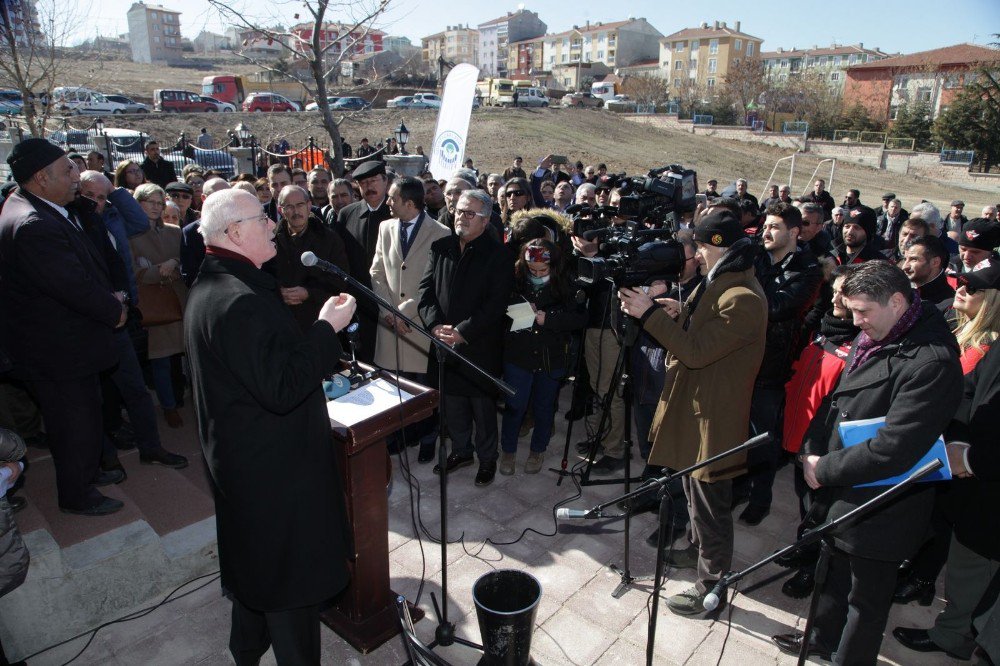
(452, 130)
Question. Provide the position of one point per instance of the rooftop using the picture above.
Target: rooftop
(152, 8)
(706, 31)
(960, 54)
(819, 51)
(507, 17)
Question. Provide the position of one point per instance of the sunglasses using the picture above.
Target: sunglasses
(964, 282)
(537, 254)
(514, 193)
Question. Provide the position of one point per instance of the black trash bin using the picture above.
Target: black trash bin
(506, 603)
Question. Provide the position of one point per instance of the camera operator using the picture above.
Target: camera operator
(715, 342)
(601, 353)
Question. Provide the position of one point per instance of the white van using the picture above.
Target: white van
(84, 101)
(529, 97)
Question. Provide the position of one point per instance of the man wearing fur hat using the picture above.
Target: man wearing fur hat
(715, 343)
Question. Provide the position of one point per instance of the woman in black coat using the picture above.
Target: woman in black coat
(536, 358)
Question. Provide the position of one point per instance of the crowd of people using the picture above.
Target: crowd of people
(788, 316)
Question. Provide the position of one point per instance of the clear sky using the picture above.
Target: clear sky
(892, 25)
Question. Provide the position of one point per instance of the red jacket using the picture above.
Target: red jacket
(814, 375)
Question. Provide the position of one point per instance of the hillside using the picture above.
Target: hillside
(497, 135)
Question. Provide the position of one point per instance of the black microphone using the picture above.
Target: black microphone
(713, 598)
(309, 259)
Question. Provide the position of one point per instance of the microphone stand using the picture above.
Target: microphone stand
(821, 534)
(444, 635)
(662, 542)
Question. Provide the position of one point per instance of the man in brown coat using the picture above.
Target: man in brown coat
(715, 341)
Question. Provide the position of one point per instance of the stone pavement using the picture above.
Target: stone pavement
(578, 621)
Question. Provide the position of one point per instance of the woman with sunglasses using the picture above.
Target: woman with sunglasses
(536, 357)
(517, 197)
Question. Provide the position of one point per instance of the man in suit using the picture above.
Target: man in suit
(264, 428)
(358, 224)
(59, 314)
(463, 301)
(902, 367)
(401, 257)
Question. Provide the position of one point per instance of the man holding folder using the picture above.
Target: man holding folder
(903, 366)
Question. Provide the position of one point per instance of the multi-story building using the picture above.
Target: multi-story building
(257, 43)
(496, 36)
(22, 17)
(155, 33)
(209, 42)
(525, 59)
(932, 77)
(456, 44)
(340, 36)
(704, 54)
(616, 44)
(832, 61)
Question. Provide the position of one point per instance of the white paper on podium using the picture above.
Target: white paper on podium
(373, 398)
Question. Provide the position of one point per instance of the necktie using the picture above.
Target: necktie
(404, 236)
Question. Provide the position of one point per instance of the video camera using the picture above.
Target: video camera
(668, 189)
(633, 257)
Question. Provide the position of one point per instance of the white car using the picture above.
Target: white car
(313, 106)
(83, 101)
(224, 107)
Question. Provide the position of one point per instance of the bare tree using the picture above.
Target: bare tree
(323, 58)
(646, 88)
(745, 82)
(31, 38)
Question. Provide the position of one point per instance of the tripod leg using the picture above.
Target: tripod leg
(822, 567)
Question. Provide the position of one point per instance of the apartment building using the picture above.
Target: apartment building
(22, 17)
(358, 41)
(456, 44)
(616, 44)
(704, 54)
(496, 36)
(155, 33)
(526, 60)
(832, 61)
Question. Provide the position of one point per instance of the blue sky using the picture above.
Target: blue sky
(892, 25)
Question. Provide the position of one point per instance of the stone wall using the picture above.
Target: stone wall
(740, 133)
(868, 154)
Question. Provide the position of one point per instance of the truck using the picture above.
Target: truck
(496, 92)
(234, 88)
(604, 90)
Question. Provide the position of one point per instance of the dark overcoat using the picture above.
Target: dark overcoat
(358, 227)
(916, 384)
(468, 290)
(265, 431)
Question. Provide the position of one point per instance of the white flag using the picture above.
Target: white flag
(452, 130)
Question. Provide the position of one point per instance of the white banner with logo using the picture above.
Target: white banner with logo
(452, 130)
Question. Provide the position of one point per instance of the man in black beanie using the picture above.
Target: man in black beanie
(860, 237)
(715, 343)
(58, 314)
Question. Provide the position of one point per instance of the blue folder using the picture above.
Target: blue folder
(855, 432)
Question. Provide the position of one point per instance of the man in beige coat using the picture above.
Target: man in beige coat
(715, 342)
(402, 252)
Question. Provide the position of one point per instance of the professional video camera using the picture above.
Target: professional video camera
(668, 189)
(588, 218)
(633, 257)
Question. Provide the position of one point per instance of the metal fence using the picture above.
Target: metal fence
(703, 119)
(795, 127)
(673, 107)
(965, 157)
(900, 143)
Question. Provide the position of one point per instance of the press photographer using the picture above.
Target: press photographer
(715, 342)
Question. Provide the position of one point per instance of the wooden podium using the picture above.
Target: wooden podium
(365, 614)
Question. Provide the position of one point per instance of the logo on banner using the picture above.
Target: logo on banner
(448, 149)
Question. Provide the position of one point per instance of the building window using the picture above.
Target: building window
(152, 15)
(677, 83)
(749, 49)
(565, 57)
(678, 46)
(586, 56)
(713, 46)
(712, 65)
(710, 83)
(695, 44)
(567, 81)
(600, 55)
(835, 76)
(783, 77)
(784, 64)
(893, 110)
(679, 64)
(923, 94)
(739, 44)
(602, 38)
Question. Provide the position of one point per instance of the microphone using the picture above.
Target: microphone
(573, 514)
(309, 259)
(713, 598)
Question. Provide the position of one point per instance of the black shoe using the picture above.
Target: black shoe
(919, 640)
(914, 589)
(163, 457)
(739, 499)
(487, 471)
(792, 643)
(798, 559)
(453, 462)
(106, 477)
(427, 452)
(123, 438)
(608, 465)
(16, 502)
(101, 507)
(754, 513)
(801, 584)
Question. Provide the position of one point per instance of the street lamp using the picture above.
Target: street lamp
(402, 136)
(244, 134)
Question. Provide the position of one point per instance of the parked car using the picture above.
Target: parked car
(11, 102)
(83, 101)
(313, 106)
(181, 101)
(581, 99)
(259, 102)
(225, 107)
(401, 102)
(621, 103)
(351, 104)
(131, 106)
(426, 101)
(528, 97)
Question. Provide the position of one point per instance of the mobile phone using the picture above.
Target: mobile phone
(701, 199)
(560, 159)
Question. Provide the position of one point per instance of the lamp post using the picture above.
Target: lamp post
(245, 135)
(402, 136)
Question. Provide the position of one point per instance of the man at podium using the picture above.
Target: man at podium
(265, 432)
